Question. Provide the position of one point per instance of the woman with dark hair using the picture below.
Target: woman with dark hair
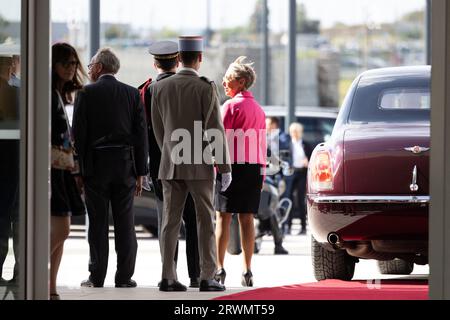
(67, 77)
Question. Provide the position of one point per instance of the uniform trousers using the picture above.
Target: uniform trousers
(190, 225)
(175, 195)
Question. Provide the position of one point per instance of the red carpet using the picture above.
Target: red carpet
(341, 290)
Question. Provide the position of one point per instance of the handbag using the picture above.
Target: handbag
(62, 159)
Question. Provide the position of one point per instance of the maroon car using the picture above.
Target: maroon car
(368, 186)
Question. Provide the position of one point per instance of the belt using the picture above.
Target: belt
(123, 151)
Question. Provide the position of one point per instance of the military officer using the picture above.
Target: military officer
(166, 62)
(180, 104)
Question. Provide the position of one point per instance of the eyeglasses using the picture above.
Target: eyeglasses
(69, 64)
(91, 65)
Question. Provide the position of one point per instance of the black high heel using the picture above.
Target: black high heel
(220, 276)
(247, 279)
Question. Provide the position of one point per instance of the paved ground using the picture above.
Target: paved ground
(269, 270)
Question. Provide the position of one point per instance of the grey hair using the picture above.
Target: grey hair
(108, 59)
(296, 127)
(240, 70)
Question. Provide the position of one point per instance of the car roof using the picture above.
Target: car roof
(397, 72)
(305, 111)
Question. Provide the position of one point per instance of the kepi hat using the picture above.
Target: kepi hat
(164, 50)
(191, 43)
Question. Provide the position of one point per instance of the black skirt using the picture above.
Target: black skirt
(244, 193)
(66, 199)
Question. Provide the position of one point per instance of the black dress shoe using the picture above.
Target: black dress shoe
(172, 286)
(128, 284)
(211, 285)
(279, 249)
(89, 284)
(195, 283)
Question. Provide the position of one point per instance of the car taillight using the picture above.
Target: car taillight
(321, 172)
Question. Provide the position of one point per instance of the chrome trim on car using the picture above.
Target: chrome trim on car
(417, 149)
(414, 187)
(372, 199)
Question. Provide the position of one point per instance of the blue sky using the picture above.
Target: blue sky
(182, 14)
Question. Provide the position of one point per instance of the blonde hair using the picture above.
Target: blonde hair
(240, 70)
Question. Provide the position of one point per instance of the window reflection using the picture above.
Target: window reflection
(9, 145)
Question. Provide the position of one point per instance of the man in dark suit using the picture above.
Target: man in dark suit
(111, 140)
(300, 153)
(166, 63)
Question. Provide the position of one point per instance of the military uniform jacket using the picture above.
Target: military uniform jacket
(154, 150)
(178, 102)
(109, 108)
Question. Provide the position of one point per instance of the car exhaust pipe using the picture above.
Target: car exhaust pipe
(333, 239)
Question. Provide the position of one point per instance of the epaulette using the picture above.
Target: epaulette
(206, 80)
(146, 83)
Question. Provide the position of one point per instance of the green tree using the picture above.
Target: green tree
(3, 24)
(115, 32)
(168, 33)
(256, 19)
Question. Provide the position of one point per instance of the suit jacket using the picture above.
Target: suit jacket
(178, 102)
(306, 148)
(109, 108)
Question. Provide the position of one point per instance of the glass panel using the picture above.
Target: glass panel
(10, 28)
(405, 99)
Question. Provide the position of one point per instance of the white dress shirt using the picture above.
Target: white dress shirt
(298, 154)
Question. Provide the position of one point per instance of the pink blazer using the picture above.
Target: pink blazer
(245, 125)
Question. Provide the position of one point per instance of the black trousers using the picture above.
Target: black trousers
(297, 182)
(9, 201)
(114, 184)
(271, 225)
(190, 225)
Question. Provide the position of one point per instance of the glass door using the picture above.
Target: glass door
(10, 86)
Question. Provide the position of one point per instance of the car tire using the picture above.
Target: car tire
(396, 266)
(331, 264)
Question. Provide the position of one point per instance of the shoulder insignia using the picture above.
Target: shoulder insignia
(206, 80)
(145, 84)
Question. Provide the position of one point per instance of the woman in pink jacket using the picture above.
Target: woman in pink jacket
(244, 122)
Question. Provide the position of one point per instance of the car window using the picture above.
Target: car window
(309, 124)
(326, 126)
(392, 100)
(405, 98)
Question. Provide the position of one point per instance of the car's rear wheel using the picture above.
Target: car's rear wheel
(331, 264)
(396, 266)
